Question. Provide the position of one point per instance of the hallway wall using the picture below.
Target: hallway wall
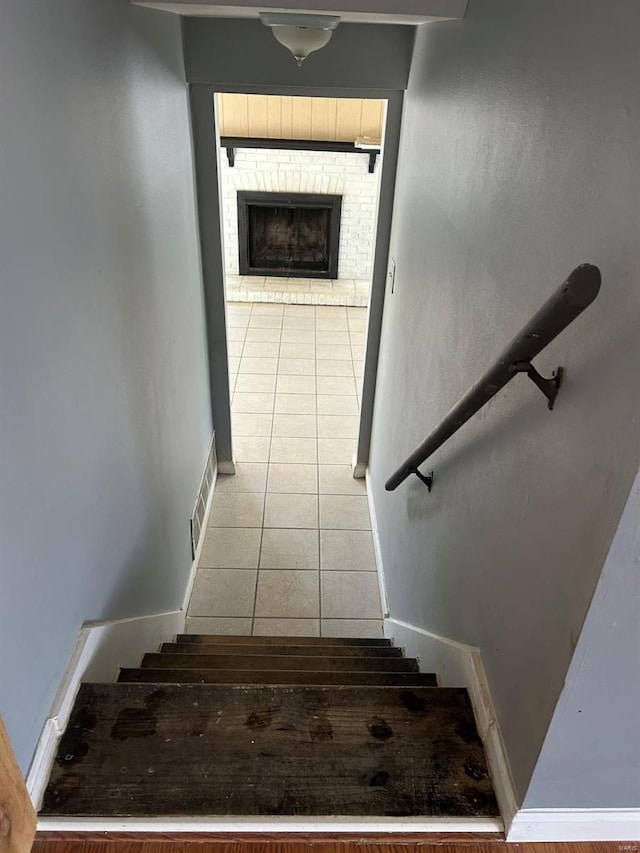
(601, 690)
(243, 53)
(518, 161)
(105, 417)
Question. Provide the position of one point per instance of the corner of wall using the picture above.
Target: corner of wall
(377, 548)
(459, 665)
(456, 665)
(102, 648)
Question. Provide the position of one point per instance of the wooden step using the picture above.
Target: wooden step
(237, 640)
(304, 651)
(143, 750)
(159, 660)
(271, 677)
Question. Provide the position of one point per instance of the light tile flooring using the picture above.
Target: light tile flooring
(298, 291)
(288, 549)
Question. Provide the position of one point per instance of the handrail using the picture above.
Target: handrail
(561, 309)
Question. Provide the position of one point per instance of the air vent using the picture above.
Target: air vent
(198, 516)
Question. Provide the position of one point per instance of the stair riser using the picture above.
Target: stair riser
(300, 651)
(275, 662)
(235, 640)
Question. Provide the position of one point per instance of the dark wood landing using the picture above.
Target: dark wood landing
(299, 651)
(236, 640)
(277, 677)
(160, 660)
(147, 750)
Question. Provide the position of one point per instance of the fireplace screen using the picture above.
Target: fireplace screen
(289, 234)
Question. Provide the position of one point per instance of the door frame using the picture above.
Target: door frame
(207, 155)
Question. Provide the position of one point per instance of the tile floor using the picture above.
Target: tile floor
(288, 549)
(298, 291)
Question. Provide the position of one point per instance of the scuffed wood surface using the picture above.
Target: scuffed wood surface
(145, 750)
(211, 660)
(277, 677)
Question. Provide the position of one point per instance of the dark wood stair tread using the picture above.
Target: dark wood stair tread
(330, 651)
(160, 660)
(260, 677)
(235, 640)
(147, 750)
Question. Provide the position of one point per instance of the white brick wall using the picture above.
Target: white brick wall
(266, 170)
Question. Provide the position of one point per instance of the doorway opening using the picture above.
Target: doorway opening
(298, 206)
(299, 189)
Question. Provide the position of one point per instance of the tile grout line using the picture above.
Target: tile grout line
(318, 487)
(264, 506)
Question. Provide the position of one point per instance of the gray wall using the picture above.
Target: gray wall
(105, 416)
(244, 53)
(236, 56)
(602, 691)
(518, 161)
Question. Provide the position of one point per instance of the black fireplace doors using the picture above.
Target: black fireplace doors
(289, 234)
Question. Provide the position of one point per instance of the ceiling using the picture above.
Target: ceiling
(286, 117)
(409, 12)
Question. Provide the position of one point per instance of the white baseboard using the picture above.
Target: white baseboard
(260, 825)
(124, 642)
(578, 825)
(377, 549)
(460, 665)
(359, 469)
(226, 466)
(42, 762)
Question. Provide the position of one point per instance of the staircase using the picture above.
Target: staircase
(236, 726)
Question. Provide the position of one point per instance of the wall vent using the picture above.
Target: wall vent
(198, 517)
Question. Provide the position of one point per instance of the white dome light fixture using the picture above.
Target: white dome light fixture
(301, 34)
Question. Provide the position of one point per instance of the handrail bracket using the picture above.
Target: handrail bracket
(549, 387)
(427, 479)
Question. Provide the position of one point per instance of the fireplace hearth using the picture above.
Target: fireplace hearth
(289, 234)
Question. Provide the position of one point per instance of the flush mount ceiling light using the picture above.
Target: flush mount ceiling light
(302, 34)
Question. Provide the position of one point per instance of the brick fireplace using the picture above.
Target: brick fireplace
(317, 173)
